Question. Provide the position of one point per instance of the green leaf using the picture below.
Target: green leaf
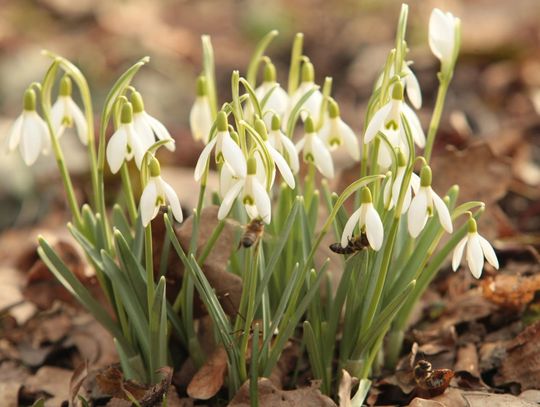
(158, 331)
(77, 289)
(257, 55)
(121, 223)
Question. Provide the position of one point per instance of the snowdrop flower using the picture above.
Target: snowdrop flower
(477, 248)
(368, 220)
(254, 196)
(65, 113)
(156, 193)
(200, 116)
(227, 151)
(389, 121)
(423, 205)
(335, 132)
(280, 162)
(315, 151)
(392, 189)
(409, 82)
(277, 100)
(444, 37)
(283, 144)
(312, 106)
(147, 125)
(126, 143)
(29, 132)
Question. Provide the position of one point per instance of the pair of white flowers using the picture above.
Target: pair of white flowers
(30, 133)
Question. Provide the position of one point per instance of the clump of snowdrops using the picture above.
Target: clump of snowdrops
(274, 150)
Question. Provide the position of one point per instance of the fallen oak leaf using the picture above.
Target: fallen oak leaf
(206, 383)
(509, 290)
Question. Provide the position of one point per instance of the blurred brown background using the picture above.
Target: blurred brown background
(493, 95)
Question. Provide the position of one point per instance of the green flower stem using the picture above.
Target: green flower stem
(258, 56)
(309, 185)
(48, 82)
(296, 57)
(128, 193)
(436, 117)
(149, 264)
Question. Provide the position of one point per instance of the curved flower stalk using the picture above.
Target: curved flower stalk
(444, 31)
(368, 220)
(283, 144)
(147, 125)
(279, 161)
(277, 99)
(200, 116)
(314, 150)
(253, 194)
(389, 121)
(477, 247)
(157, 193)
(336, 133)
(409, 82)
(392, 189)
(65, 113)
(423, 205)
(227, 151)
(126, 143)
(312, 106)
(29, 132)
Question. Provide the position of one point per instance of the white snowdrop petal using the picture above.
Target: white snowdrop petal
(45, 135)
(148, 202)
(292, 154)
(32, 139)
(349, 227)
(262, 202)
(417, 215)
(374, 228)
(384, 158)
(57, 114)
(349, 140)
(161, 132)
(322, 157)
(226, 180)
(418, 134)
(116, 150)
(442, 212)
(387, 196)
(173, 200)
(489, 253)
(376, 123)
(301, 143)
(458, 253)
(203, 159)
(415, 182)
(14, 135)
(80, 121)
(413, 88)
(475, 257)
(441, 34)
(234, 156)
(200, 119)
(228, 201)
(282, 166)
(142, 130)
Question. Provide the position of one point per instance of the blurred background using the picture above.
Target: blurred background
(495, 95)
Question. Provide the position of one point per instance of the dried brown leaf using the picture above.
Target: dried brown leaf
(344, 391)
(270, 396)
(209, 378)
(510, 290)
(77, 379)
(54, 381)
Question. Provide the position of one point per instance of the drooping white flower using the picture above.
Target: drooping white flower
(336, 133)
(65, 113)
(147, 125)
(157, 193)
(279, 161)
(227, 151)
(444, 36)
(312, 106)
(126, 143)
(393, 188)
(390, 121)
(368, 221)
(477, 248)
(283, 144)
(425, 202)
(314, 150)
(200, 116)
(29, 132)
(253, 194)
(409, 82)
(271, 96)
